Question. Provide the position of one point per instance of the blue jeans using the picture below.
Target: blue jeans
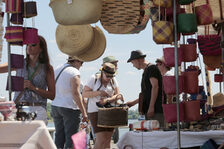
(66, 122)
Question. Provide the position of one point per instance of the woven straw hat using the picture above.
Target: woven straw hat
(74, 39)
(109, 69)
(218, 100)
(96, 49)
(78, 12)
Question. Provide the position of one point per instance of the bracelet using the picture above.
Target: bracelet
(37, 89)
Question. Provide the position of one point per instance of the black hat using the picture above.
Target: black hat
(136, 55)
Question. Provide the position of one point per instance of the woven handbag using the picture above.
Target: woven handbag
(120, 16)
(154, 12)
(190, 82)
(189, 52)
(212, 61)
(218, 78)
(30, 9)
(144, 16)
(192, 110)
(187, 23)
(14, 34)
(17, 60)
(217, 7)
(13, 6)
(169, 84)
(163, 3)
(204, 14)
(30, 36)
(17, 83)
(170, 58)
(209, 44)
(16, 18)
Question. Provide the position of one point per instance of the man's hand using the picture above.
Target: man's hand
(150, 112)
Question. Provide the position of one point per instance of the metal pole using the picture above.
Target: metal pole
(176, 72)
(9, 64)
(222, 26)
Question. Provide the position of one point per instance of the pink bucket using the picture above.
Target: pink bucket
(30, 36)
(17, 61)
(17, 83)
(170, 58)
(169, 84)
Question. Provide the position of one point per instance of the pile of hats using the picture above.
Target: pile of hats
(74, 34)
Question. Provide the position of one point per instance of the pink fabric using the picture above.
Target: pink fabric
(79, 140)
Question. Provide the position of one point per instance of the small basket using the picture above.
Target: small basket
(112, 117)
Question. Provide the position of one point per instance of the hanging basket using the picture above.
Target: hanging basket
(191, 82)
(192, 110)
(170, 58)
(17, 61)
(189, 52)
(30, 36)
(17, 83)
(14, 34)
(13, 6)
(120, 16)
(30, 9)
(169, 84)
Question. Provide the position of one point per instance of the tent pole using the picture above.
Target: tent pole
(176, 72)
(222, 45)
(9, 64)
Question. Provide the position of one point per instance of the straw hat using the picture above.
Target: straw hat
(218, 100)
(97, 47)
(74, 39)
(109, 69)
(76, 12)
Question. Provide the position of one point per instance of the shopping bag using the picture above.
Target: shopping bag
(204, 14)
(79, 140)
(187, 23)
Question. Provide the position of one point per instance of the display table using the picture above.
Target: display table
(25, 135)
(159, 139)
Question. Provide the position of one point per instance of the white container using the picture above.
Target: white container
(146, 125)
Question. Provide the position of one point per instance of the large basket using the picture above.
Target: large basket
(112, 117)
(120, 16)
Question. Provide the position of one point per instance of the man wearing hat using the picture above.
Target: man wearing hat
(67, 105)
(151, 87)
(161, 64)
(110, 59)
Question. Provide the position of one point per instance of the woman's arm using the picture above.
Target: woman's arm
(50, 92)
(4, 68)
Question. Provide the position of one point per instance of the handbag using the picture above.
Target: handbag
(79, 140)
(185, 2)
(17, 83)
(123, 18)
(154, 12)
(14, 34)
(204, 14)
(30, 9)
(192, 110)
(163, 3)
(144, 16)
(17, 61)
(170, 58)
(16, 18)
(190, 82)
(212, 61)
(218, 78)
(169, 84)
(189, 52)
(30, 36)
(209, 45)
(170, 112)
(107, 118)
(13, 6)
(187, 23)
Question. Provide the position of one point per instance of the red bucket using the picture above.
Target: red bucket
(30, 36)
(17, 61)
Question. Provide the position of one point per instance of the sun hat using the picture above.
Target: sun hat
(109, 69)
(136, 55)
(70, 58)
(74, 39)
(76, 12)
(97, 47)
(218, 100)
(109, 59)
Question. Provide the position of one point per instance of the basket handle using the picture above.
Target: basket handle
(120, 96)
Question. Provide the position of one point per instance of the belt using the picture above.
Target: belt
(31, 103)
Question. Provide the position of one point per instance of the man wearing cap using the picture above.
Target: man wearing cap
(67, 105)
(110, 59)
(151, 87)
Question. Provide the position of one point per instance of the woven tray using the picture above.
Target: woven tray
(120, 16)
(112, 117)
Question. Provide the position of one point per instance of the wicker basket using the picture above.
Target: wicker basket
(120, 16)
(112, 117)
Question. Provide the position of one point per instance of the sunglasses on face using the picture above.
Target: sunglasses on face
(109, 76)
(33, 45)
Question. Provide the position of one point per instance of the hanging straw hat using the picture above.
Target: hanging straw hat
(76, 12)
(97, 47)
(218, 100)
(74, 39)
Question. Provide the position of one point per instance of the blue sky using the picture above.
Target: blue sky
(120, 46)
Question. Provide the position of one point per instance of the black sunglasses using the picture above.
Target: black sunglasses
(33, 45)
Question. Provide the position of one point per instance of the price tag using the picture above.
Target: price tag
(69, 1)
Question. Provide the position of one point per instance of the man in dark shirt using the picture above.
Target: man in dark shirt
(151, 88)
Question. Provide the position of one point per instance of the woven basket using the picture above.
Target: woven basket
(112, 117)
(120, 16)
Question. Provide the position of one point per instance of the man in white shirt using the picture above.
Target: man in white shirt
(67, 105)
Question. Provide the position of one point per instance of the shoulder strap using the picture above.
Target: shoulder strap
(61, 72)
(22, 92)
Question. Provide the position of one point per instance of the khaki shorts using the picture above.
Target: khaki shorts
(93, 120)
